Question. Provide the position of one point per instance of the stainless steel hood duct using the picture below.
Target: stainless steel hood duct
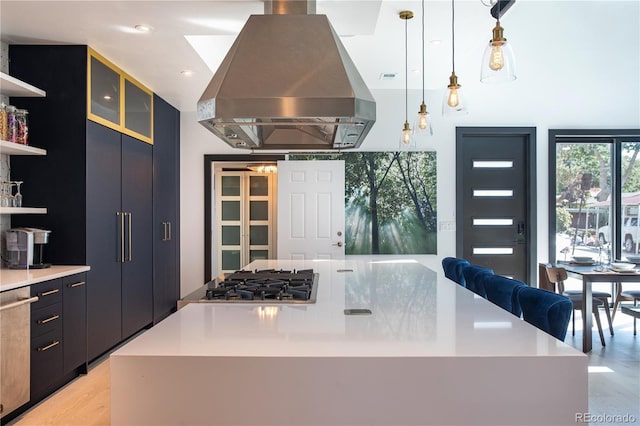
(288, 83)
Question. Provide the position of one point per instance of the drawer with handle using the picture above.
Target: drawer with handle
(46, 363)
(48, 293)
(44, 320)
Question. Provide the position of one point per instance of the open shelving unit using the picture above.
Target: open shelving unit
(12, 87)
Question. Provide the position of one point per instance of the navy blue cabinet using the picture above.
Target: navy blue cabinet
(119, 243)
(97, 185)
(58, 333)
(166, 200)
(74, 323)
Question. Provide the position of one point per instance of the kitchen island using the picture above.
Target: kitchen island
(430, 353)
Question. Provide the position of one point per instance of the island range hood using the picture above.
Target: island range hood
(288, 83)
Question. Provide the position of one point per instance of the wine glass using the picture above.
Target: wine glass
(5, 194)
(17, 198)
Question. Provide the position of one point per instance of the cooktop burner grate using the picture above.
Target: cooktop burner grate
(269, 285)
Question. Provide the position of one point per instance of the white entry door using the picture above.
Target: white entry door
(311, 209)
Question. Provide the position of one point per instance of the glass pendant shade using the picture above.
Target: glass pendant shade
(454, 102)
(498, 61)
(422, 126)
(406, 137)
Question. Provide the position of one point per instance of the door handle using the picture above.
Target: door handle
(129, 216)
(167, 231)
(520, 233)
(339, 244)
(121, 254)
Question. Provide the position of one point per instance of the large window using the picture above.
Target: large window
(594, 189)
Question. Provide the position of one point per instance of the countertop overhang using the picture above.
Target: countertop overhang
(415, 312)
(16, 278)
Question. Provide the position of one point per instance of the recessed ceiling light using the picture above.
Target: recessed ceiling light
(186, 73)
(107, 97)
(143, 28)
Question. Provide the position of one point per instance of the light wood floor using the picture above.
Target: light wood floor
(616, 391)
(83, 402)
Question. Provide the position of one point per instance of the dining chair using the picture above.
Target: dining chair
(473, 278)
(557, 277)
(548, 311)
(453, 267)
(503, 292)
(622, 295)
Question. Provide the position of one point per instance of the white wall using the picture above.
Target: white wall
(582, 74)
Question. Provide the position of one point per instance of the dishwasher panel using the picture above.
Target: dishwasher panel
(15, 336)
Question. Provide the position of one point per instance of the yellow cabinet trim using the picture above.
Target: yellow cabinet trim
(123, 76)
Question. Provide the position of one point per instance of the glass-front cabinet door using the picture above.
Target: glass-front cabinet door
(116, 100)
(138, 110)
(104, 91)
(245, 215)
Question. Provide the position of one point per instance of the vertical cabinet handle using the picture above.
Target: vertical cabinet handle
(121, 254)
(129, 216)
(166, 227)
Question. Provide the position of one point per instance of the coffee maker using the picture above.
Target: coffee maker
(24, 248)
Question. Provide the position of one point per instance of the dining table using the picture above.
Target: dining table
(595, 272)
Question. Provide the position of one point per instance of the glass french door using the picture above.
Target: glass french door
(245, 213)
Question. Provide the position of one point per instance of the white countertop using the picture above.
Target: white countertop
(416, 312)
(14, 278)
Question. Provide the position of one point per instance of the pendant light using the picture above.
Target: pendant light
(423, 121)
(453, 102)
(498, 62)
(406, 136)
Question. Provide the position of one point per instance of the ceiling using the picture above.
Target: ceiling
(195, 36)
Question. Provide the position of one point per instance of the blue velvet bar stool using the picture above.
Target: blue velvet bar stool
(473, 277)
(453, 267)
(548, 311)
(503, 292)
(557, 277)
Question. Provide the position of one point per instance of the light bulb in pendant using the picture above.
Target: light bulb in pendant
(453, 100)
(422, 121)
(496, 60)
(406, 137)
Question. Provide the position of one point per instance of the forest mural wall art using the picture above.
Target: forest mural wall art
(390, 201)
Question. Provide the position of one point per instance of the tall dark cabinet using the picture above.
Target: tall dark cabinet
(166, 213)
(119, 241)
(109, 196)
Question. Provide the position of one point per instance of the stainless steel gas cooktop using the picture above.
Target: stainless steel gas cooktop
(259, 286)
